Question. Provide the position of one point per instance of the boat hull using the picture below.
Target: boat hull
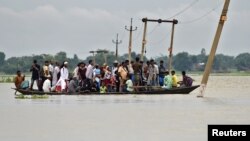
(152, 91)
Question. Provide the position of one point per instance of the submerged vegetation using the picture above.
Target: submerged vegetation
(21, 96)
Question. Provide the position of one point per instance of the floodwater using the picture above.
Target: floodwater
(125, 118)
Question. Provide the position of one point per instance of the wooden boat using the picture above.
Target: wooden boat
(150, 91)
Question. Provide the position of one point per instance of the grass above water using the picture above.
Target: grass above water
(21, 96)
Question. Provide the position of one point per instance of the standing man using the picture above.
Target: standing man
(89, 74)
(35, 69)
(56, 73)
(122, 73)
(162, 71)
(137, 66)
(64, 76)
(51, 68)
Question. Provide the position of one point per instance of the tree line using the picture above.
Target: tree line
(181, 61)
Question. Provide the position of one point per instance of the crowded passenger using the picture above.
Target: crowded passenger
(186, 80)
(124, 77)
(47, 84)
(35, 69)
(137, 66)
(175, 79)
(168, 81)
(19, 79)
(56, 74)
(64, 76)
(103, 88)
(123, 72)
(162, 71)
(129, 84)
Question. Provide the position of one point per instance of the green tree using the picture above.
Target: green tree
(242, 62)
(2, 58)
(223, 63)
(182, 61)
(61, 56)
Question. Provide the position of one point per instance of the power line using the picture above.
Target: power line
(203, 16)
(138, 33)
(161, 40)
(153, 30)
(185, 9)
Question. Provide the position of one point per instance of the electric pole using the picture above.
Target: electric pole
(171, 46)
(116, 42)
(130, 38)
(93, 53)
(144, 37)
(211, 56)
(174, 22)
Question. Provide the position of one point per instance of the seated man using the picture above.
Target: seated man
(168, 81)
(186, 80)
(73, 86)
(20, 81)
(175, 80)
(129, 84)
(47, 84)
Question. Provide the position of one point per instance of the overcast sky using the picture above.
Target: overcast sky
(77, 26)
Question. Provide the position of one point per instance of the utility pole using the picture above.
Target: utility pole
(93, 53)
(116, 42)
(210, 60)
(144, 37)
(174, 22)
(130, 38)
(104, 53)
(171, 46)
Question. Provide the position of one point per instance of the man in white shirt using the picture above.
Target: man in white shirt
(64, 76)
(89, 74)
(90, 68)
(55, 74)
(47, 84)
(156, 70)
(129, 84)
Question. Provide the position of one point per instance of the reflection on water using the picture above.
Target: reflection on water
(126, 117)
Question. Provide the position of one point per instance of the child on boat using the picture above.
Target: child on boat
(103, 88)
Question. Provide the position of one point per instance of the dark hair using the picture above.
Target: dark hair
(34, 61)
(161, 61)
(46, 61)
(62, 65)
(167, 72)
(183, 73)
(173, 71)
(137, 59)
(90, 61)
(18, 71)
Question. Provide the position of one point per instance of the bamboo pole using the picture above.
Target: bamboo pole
(144, 38)
(210, 60)
(171, 48)
(130, 39)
